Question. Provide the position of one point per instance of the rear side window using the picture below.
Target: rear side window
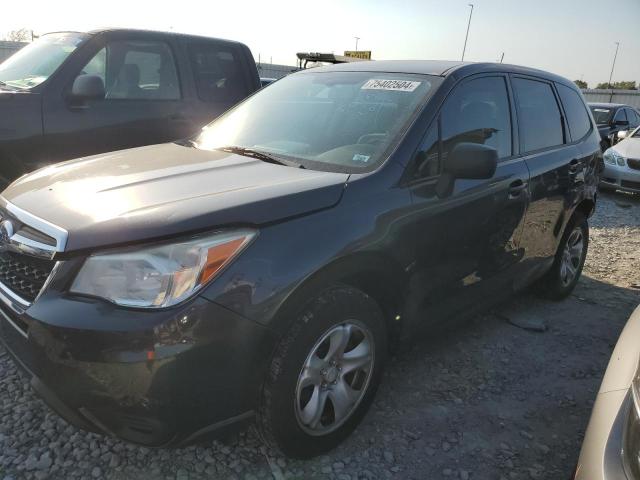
(576, 112)
(218, 72)
(538, 115)
(632, 116)
(478, 112)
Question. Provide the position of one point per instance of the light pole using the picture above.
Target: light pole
(467, 35)
(611, 74)
(357, 38)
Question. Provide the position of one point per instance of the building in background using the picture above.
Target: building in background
(627, 97)
(9, 48)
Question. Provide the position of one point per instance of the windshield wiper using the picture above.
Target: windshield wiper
(249, 152)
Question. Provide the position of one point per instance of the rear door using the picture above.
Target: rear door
(143, 91)
(468, 233)
(555, 166)
(221, 75)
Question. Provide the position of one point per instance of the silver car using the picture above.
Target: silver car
(622, 164)
(611, 448)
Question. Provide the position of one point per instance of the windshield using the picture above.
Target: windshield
(336, 121)
(33, 64)
(601, 115)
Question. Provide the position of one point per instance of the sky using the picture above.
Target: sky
(574, 38)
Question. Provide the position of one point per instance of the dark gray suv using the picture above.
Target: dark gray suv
(261, 270)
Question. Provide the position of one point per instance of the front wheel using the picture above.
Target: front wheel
(324, 374)
(560, 281)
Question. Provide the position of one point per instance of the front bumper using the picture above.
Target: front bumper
(621, 178)
(602, 456)
(171, 377)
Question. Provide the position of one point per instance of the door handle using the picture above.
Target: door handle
(516, 187)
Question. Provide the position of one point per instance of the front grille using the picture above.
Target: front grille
(630, 184)
(23, 274)
(633, 163)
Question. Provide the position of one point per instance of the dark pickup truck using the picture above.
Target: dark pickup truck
(72, 94)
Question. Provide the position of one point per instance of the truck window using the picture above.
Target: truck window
(218, 73)
(131, 70)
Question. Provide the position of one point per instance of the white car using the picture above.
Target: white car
(611, 447)
(622, 164)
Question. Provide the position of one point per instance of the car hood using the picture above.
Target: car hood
(167, 190)
(629, 147)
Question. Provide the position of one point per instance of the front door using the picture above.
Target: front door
(467, 231)
(142, 93)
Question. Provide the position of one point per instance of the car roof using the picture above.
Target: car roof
(442, 68)
(608, 105)
(99, 31)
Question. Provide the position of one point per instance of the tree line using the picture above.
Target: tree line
(624, 85)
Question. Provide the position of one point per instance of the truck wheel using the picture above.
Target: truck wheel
(563, 276)
(324, 373)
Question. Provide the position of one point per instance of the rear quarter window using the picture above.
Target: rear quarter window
(576, 112)
(219, 72)
(538, 115)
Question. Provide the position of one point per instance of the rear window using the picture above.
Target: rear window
(219, 73)
(576, 112)
(601, 115)
(538, 114)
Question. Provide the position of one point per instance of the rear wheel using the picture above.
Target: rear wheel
(324, 373)
(560, 281)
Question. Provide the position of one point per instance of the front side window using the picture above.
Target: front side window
(632, 116)
(538, 114)
(218, 73)
(336, 121)
(576, 112)
(478, 112)
(36, 62)
(620, 116)
(134, 70)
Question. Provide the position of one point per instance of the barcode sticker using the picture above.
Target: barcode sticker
(395, 85)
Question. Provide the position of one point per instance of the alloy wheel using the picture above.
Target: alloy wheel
(334, 378)
(572, 256)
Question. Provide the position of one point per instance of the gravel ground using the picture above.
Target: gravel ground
(483, 400)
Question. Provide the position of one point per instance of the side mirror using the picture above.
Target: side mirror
(471, 161)
(622, 134)
(88, 87)
(621, 123)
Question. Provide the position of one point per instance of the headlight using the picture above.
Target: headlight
(631, 449)
(159, 276)
(612, 157)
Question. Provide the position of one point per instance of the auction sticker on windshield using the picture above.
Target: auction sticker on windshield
(396, 85)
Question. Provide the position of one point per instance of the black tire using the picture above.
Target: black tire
(278, 418)
(552, 284)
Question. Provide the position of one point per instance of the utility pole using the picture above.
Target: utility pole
(467, 35)
(612, 67)
(357, 38)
